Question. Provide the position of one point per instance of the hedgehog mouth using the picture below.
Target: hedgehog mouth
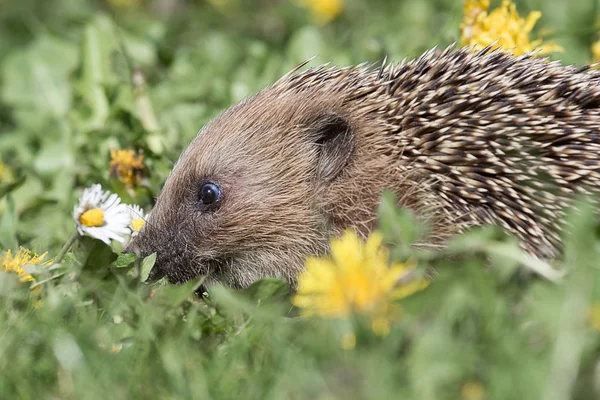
(178, 273)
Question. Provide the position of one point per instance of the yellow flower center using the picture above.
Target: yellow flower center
(93, 217)
(137, 224)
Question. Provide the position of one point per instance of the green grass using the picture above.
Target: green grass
(67, 98)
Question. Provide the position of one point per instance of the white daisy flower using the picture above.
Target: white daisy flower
(138, 219)
(101, 215)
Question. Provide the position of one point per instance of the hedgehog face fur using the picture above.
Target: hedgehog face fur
(462, 138)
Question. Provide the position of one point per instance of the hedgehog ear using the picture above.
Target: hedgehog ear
(334, 138)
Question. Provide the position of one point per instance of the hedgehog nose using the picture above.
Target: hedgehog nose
(157, 272)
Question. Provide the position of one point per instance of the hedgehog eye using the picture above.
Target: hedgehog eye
(209, 193)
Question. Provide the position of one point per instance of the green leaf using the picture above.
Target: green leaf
(582, 253)
(174, 295)
(94, 254)
(155, 143)
(97, 46)
(123, 260)
(37, 77)
(8, 283)
(267, 289)
(398, 225)
(147, 265)
(8, 226)
(7, 188)
(54, 158)
(506, 255)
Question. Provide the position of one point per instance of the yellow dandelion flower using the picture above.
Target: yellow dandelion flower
(323, 11)
(16, 262)
(596, 51)
(127, 166)
(473, 8)
(504, 26)
(356, 278)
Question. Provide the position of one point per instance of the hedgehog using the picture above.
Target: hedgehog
(463, 138)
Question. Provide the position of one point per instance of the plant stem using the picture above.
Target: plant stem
(142, 101)
(66, 248)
